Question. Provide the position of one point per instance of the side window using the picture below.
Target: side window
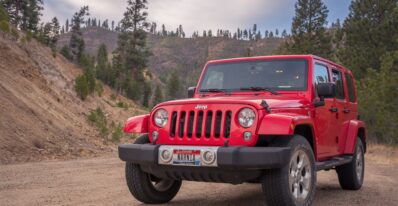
(338, 80)
(350, 87)
(321, 75)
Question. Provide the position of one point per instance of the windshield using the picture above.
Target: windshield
(277, 75)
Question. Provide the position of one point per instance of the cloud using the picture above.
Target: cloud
(197, 15)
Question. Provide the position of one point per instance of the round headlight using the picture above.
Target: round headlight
(246, 117)
(161, 117)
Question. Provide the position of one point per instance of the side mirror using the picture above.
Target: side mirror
(325, 90)
(191, 91)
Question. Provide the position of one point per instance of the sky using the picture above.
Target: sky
(197, 15)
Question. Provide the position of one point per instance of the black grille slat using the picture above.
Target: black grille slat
(199, 124)
(209, 123)
(181, 124)
(227, 125)
(173, 124)
(217, 128)
(190, 123)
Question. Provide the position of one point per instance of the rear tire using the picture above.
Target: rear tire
(146, 187)
(293, 184)
(351, 175)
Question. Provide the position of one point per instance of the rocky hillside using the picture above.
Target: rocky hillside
(187, 55)
(41, 116)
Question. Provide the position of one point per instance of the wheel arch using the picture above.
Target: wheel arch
(356, 129)
(307, 131)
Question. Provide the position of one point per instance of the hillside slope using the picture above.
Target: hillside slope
(187, 55)
(41, 116)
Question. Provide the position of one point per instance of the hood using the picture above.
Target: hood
(274, 101)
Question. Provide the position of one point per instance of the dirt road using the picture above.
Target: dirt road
(100, 181)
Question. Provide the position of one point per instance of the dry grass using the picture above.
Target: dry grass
(382, 154)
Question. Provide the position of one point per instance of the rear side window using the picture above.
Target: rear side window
(350, 87)
(338, 80)
(321, 75)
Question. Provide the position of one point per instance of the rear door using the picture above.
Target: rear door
(337, 110)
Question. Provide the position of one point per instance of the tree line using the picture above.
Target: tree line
(367, 44)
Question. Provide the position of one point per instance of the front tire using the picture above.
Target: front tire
(146, 187)
(351, 175)
(293, 184)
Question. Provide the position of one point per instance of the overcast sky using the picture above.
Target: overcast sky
(197, 14)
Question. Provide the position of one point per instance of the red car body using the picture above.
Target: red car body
(331, 134)
(294, 131)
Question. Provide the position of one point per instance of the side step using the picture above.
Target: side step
(335, 161)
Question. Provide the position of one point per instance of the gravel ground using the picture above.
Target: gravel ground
(100, 181)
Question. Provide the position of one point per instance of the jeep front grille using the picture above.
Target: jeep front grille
(200, 124)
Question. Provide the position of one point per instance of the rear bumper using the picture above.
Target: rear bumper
(227, 157)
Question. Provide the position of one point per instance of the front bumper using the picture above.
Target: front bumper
(234, 164)
(227, 157)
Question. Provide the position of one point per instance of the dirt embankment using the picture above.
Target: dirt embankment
(100, 181)
(41, 117)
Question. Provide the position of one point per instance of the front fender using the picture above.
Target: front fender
(282, 124)
(137, 124)
(352, 134)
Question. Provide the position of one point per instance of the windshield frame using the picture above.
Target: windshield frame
(237, 90)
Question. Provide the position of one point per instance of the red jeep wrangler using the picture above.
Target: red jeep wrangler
(274, 120)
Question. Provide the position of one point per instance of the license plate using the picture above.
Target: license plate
(186, 157)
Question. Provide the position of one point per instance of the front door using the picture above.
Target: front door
(325, 119)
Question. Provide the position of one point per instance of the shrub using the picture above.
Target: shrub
(122, 105)
(29, 36)
(65, 51)
(99, 88)
(117, 133)
(81, 87)
(98, 118)
(14, 33)
(113, 97)
(3, 14)
(4, 26)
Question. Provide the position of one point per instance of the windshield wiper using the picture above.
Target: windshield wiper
(214, 90)
(259, 89)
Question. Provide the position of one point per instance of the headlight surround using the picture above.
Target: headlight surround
(246, 117)
(161, 117)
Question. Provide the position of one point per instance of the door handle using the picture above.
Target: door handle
(347, 111)
(333, 109)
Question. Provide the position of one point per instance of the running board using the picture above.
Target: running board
(335, 161)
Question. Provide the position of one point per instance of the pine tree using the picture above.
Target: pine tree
(55, 28)
(67, 25)
(76, 42)
(158, 96)
(210, 33)
(276, 32)
(130, 56)
(146, 93)
(371, 29)
(284, 33)
(173, 87)
(308, 30)
(102, 64)
(164, 31)
(254, 29)
(113, 25)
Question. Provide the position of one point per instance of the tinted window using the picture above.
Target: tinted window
(338, 80)
(350, 87)
(288, 74)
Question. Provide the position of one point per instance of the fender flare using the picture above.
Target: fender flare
(282, 124)
(137, 124)
(354, 128)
